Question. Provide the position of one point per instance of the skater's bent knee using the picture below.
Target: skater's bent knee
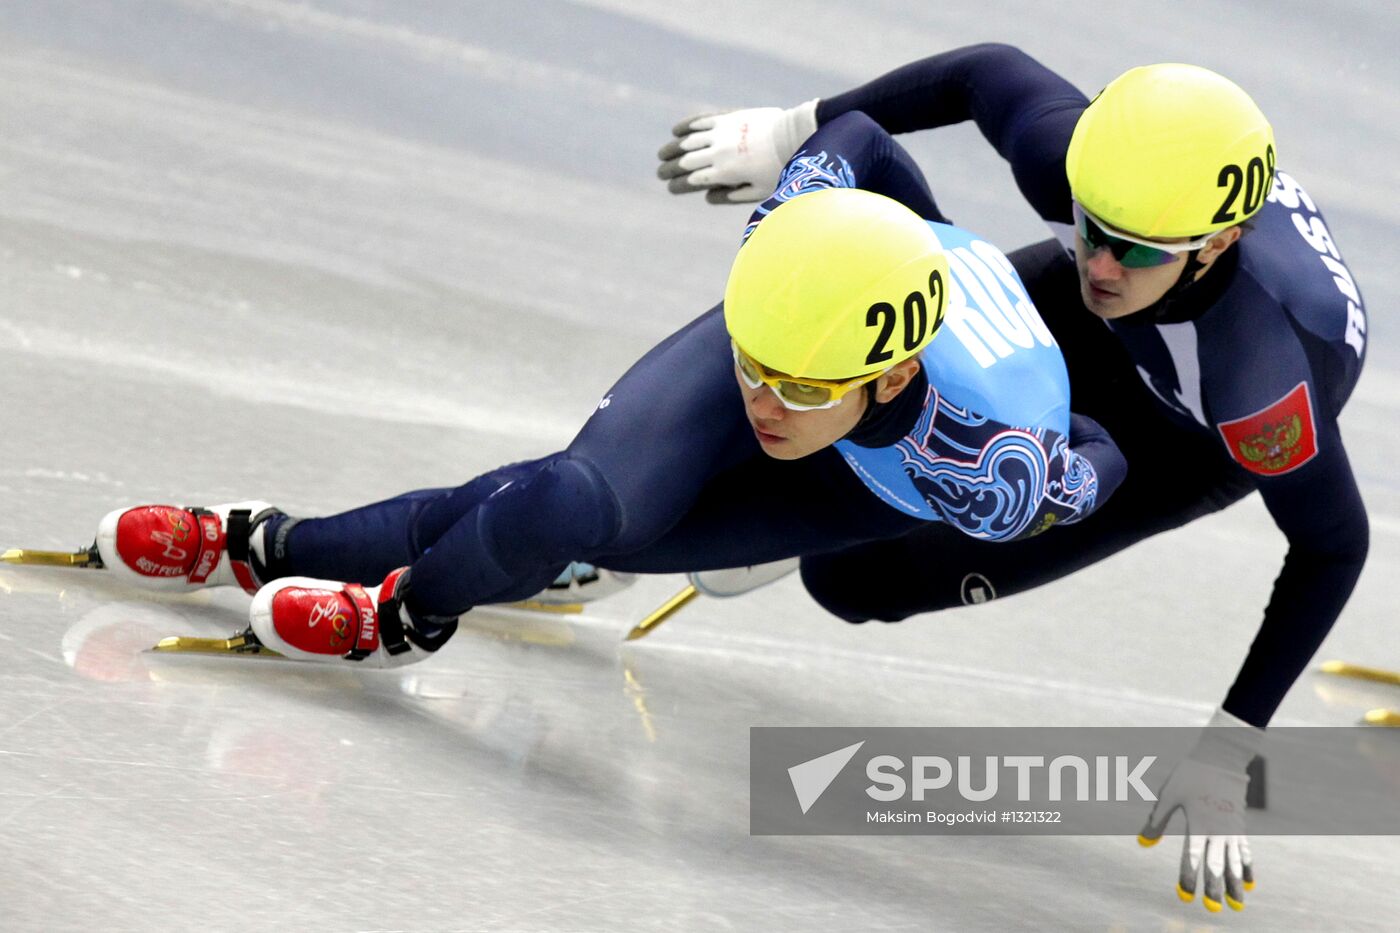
(584, 513)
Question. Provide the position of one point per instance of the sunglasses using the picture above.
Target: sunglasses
(1130, 251)
(797, 394)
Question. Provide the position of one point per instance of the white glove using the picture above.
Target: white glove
(1209, 787)
(736, 156)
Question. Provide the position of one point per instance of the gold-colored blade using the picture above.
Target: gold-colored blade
(543, 629)
(1383, 717)
(663, 612)
(535, 605)
(1374, 674)
(84, 558)
(238, 644)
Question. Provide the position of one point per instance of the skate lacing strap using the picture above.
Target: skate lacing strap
(212, 541)
(215, 537)
(367, 632)
(240, 526)
(396, 636)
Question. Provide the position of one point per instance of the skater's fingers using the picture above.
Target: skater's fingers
(1234, 874)
(741, 194)
(1213, 871)
(1192, 849)
(1157, 820)
(1246, 864)
(684, 184)
(700, 121)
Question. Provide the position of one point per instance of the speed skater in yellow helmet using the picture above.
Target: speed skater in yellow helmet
(836, 284)
(1171, 150)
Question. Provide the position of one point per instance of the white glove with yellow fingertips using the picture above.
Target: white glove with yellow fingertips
(1209, 786)
(737, 156)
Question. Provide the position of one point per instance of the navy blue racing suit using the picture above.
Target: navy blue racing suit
(668, 476)
(1232, 385)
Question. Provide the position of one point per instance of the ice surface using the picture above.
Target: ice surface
(324, 252)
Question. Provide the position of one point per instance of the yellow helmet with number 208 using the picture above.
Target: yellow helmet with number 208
(835, 284)
(1171, 151)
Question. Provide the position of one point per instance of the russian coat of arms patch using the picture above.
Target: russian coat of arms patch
(1275, 439)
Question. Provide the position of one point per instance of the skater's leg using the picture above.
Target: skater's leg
(672, 422)
(935, 567)
(364, 544)
(507, 534)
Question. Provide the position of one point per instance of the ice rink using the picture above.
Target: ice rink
(323, 252)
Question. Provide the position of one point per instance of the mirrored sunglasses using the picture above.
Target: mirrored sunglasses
(1132, 252)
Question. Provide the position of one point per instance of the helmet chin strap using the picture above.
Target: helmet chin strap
(884, 423)
(867, 416)
(871, 407)
(1162, 307)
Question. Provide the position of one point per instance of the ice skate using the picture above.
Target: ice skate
(1382, 716)
(172, 548)
(722, 583)
(579, 583)
(328, 621)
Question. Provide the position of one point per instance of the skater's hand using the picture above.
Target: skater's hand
(1214, 797)
(736, 156)
(1209, 788)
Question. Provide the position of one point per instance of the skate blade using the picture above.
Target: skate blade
(1383, 717)
(535, 605)
(511, 624)
(88, 557)
(1373, 674)
(1344, 694)
(238, 645)
(663, 612)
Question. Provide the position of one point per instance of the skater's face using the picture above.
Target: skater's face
(785, 434)
(1112, 290)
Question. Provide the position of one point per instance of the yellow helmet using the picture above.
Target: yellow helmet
(1171, 151)
(835, 284)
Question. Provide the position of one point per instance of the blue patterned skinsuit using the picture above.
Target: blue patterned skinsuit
(669, 475)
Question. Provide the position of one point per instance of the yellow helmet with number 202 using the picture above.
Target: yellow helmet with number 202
(835, 284)
(1171, 151)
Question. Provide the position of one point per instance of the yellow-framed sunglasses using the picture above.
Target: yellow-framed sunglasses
(795, 393)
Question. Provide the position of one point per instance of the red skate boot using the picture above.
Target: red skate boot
(165, 547)
(324, 620)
